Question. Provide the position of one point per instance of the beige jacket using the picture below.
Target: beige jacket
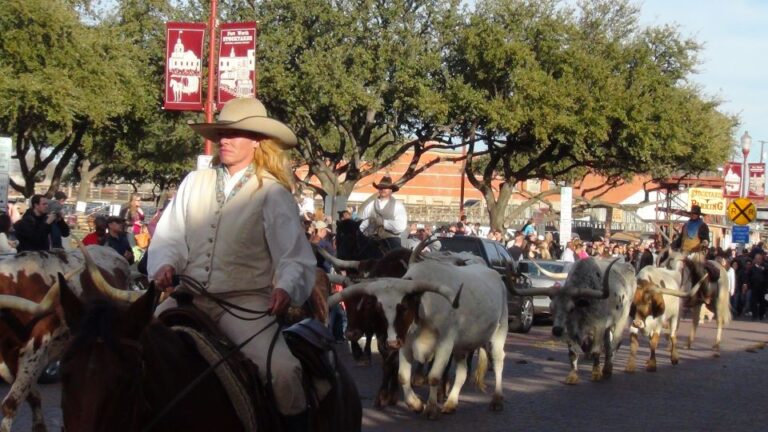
(254, 241)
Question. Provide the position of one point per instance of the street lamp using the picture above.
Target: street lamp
(746, 142)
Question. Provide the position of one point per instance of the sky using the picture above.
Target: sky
(734, 59)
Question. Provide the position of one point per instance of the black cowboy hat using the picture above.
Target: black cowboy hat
(386, 183)
(696, 210)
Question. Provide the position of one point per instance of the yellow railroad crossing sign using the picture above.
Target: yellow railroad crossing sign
(742, 211)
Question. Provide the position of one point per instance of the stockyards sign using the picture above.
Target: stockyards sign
(183, 66)
(711, 201)
(237, 61)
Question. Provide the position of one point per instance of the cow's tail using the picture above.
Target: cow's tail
(482, 368)
(723, 304)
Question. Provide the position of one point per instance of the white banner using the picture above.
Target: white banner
(711, 201)
(566, 204)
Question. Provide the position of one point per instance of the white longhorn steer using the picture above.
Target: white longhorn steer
(590, 311)
(438, 330)
(655, 306)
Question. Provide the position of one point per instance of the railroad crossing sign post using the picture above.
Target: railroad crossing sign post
(742, 211)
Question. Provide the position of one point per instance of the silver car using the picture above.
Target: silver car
(539, 280)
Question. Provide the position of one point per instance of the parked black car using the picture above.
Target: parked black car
(497, 258)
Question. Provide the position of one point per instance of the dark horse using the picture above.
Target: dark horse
(352, 244)
(123, 367)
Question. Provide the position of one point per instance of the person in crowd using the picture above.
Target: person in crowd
(320, 237)
(33, 230)
(569, 254)
(733, 282)
(580, 250)
(152, 225)
(385, 217)
(516, 250)
(757, 279)
(117, 239)
(13, 212)
(694, 236)
(531, 252)
(56, 207)
(99, 234)
(345, 215)
(422, 234)
(7, 246)
(246, 195)
(743, 283)
(529, 229)
(133, 214)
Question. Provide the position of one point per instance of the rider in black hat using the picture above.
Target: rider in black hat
(695, 233)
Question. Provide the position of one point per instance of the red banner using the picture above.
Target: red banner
(237, 61)
(183, 66)
(732, 180)
(756, 188)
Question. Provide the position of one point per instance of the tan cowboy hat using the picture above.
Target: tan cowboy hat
(386, 183)
(249, 115)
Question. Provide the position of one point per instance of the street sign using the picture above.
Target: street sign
(740, 234)
(742, 211)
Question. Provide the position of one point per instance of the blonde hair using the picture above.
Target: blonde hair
(270, 157)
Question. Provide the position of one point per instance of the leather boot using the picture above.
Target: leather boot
(297, 423)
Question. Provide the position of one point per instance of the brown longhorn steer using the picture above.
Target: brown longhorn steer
(32, 335)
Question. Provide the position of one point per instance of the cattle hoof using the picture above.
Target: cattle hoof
(597, 375)
(650, 367)
(432, 411)
(607, 370)
(630, 368)
(716, 354)
(675, 360)
(497, 404)
(688, 345)
(572, 378)
(449, 408)
(414, 404)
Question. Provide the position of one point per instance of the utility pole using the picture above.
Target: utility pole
(210, 106)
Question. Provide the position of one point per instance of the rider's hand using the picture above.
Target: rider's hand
(279, 302)
(163, 277)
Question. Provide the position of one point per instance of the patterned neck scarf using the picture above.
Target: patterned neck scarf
(221, 174)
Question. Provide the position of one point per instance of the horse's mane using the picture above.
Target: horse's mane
(98, 325)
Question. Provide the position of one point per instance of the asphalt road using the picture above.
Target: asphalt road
(702, 393)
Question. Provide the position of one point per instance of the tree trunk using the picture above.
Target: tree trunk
(87, 174)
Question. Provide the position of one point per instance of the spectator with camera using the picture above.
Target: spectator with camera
(33, 230)
(56, 207)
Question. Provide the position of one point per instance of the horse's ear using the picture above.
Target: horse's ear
(71, 305)
(140, 313)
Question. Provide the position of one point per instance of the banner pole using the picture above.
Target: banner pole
(209, 103)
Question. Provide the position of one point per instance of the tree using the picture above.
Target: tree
(553, 92)
(360, 82)
(59, 78)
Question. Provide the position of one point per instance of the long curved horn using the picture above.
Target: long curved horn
(407, 286)
(339, 279)
(605, 292)
(698, 285)
(102, 284)
(365, 287)
(338, 263)
(556, 276)
(511, 276)
(28, 306)
(416, 253)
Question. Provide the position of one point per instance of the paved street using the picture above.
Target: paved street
(701, 393)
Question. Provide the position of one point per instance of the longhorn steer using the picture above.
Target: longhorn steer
(656, 305)
(713, 294)
(31, 333)
(439, 329)
(365, 317)
(590, 311)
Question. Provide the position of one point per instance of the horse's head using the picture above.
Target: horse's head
(348, 237)
(103, 365)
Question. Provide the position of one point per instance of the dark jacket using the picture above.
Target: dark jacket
(757, 280)
(32, 232)
(121, 245)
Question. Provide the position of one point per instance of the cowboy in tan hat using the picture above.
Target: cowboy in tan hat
(235, 229)
(385, 218)
(695, 233)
